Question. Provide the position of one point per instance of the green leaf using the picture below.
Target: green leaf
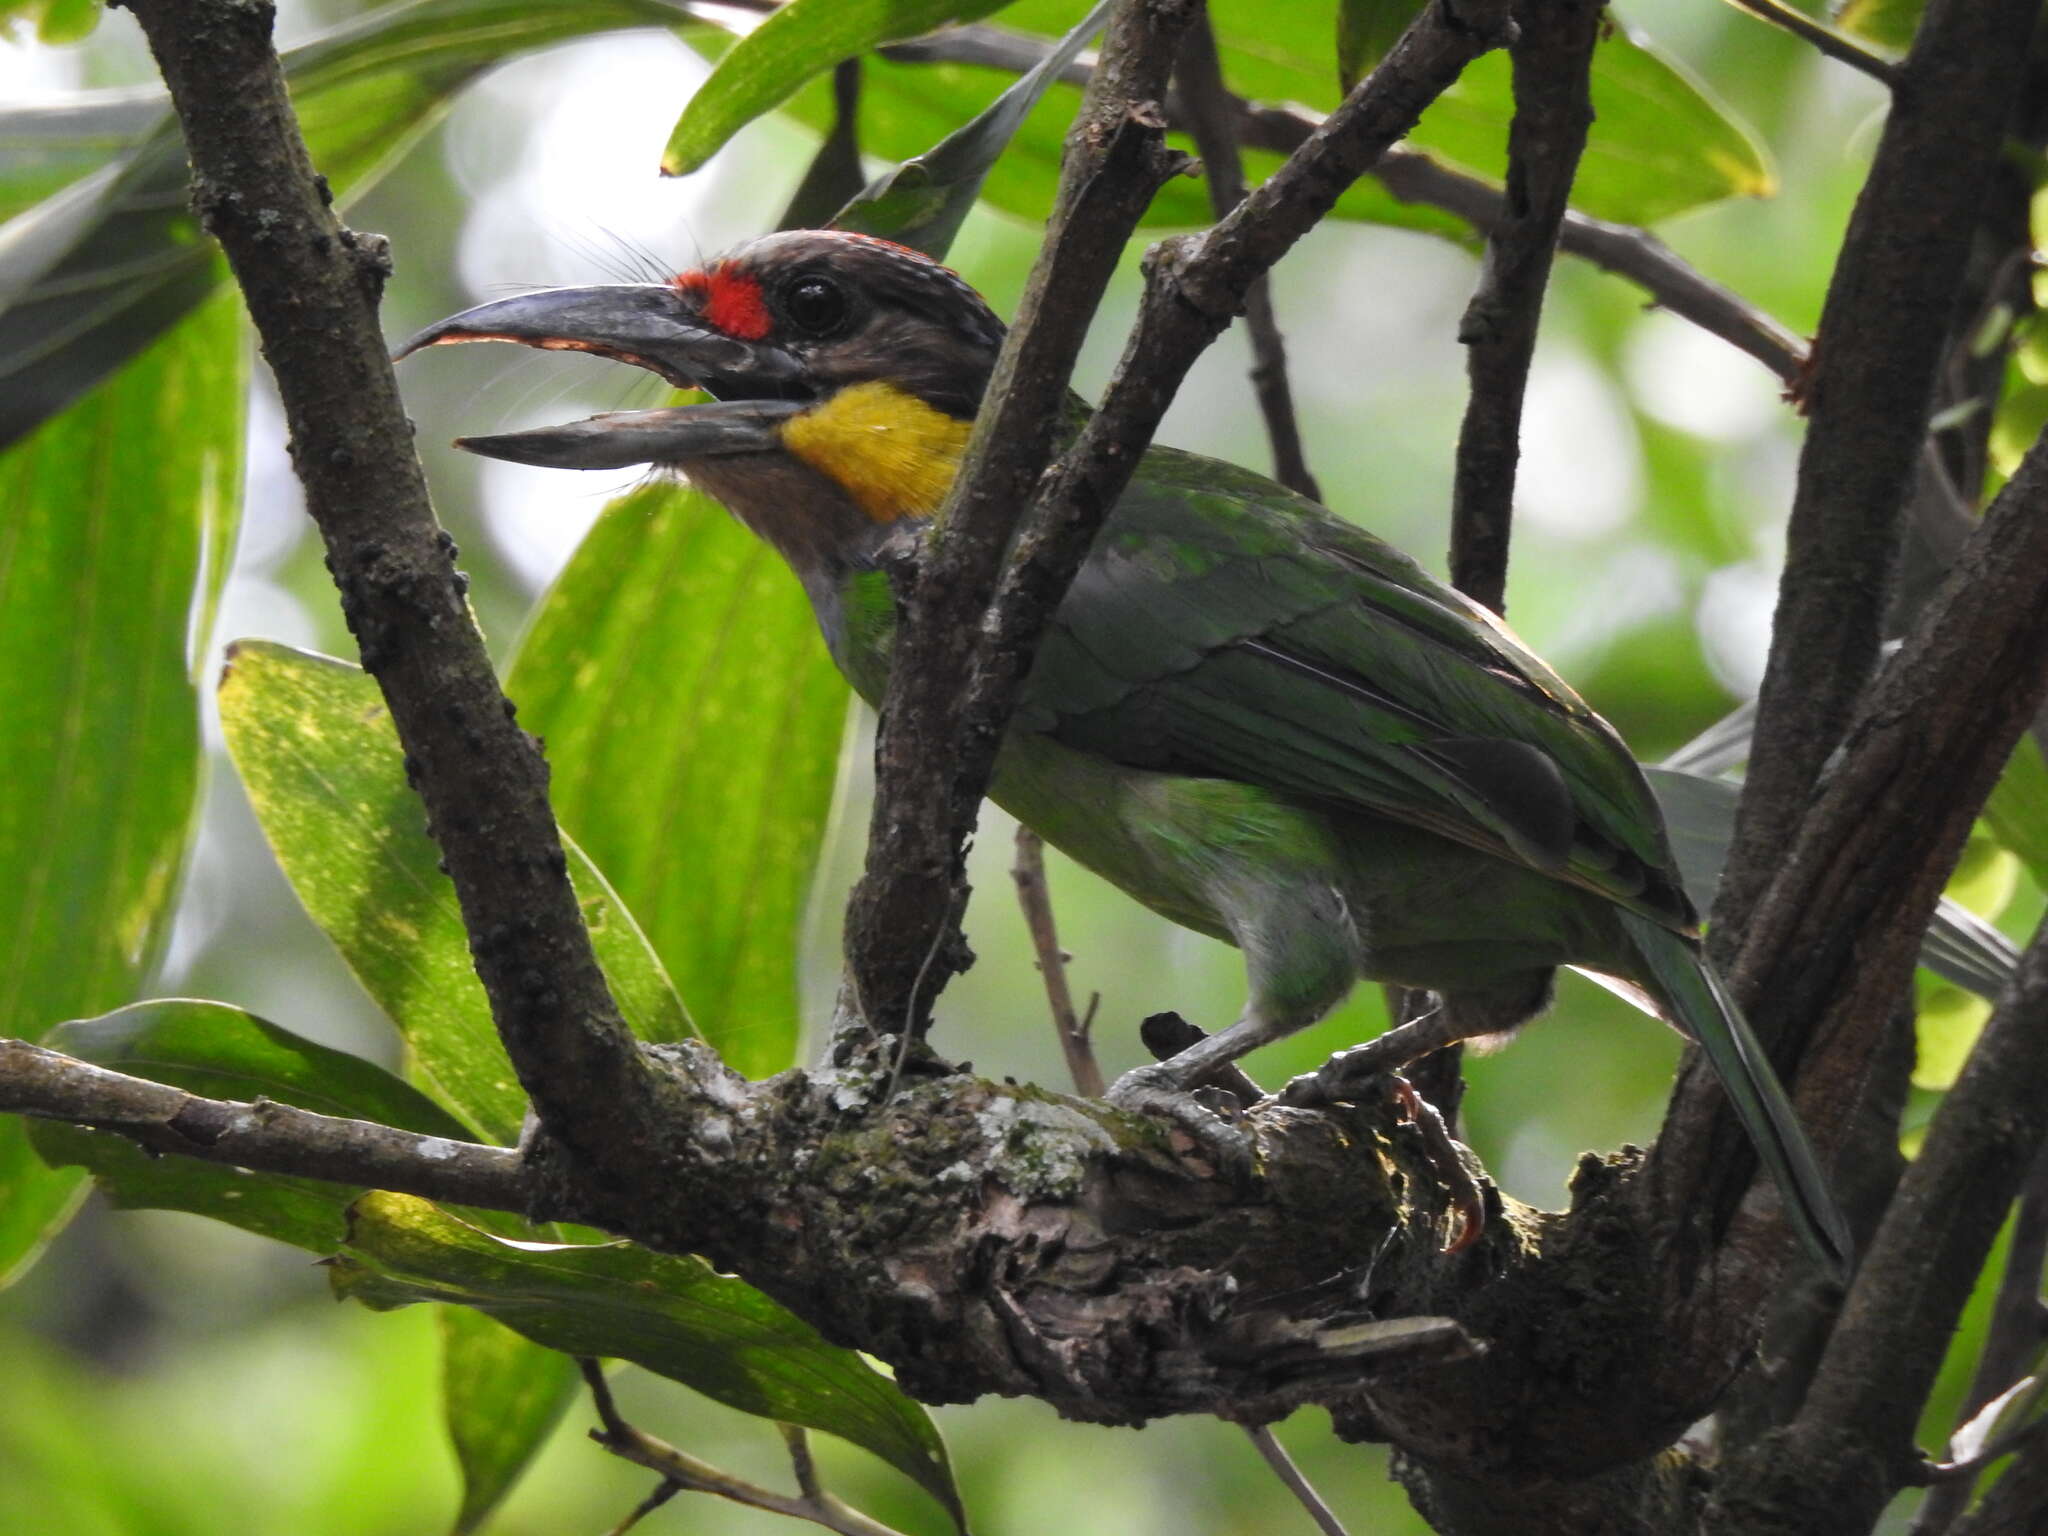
(906, 108)
(693, 720)
(321, 762)
(48, 145)
(1659, 144)
(2018, 807)
(92, 274)
(111, 519)
(1946, 1025)
(924, 201)
(219, 1051)
(796, 43)
(56, 21)
(36, 1201)
(674, 1316)
(502, 1396)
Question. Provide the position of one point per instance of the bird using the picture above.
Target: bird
(1250, 714)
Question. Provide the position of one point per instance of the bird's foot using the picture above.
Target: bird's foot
(1204, 1117)
(1345, 1078)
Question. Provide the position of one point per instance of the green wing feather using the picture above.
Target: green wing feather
(1225, 628)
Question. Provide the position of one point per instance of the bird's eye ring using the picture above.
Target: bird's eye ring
(815, 304)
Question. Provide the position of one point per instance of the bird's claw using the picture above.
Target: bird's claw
(1343, 1079)
(1156, 1091)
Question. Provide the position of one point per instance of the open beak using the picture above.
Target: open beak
(652, 326)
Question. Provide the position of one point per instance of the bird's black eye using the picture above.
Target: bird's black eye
(815, 304)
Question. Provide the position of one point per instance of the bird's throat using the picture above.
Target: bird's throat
(894, 455)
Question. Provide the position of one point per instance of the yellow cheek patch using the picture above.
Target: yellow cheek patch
(892, 453)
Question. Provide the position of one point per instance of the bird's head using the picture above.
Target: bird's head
(839, 364)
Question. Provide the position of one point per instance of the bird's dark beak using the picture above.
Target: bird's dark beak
(679, 435)
(652, 326)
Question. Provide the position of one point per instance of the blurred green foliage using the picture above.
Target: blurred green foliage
(168, 1375)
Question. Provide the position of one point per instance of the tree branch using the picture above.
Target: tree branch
(1883, 336)
(263, 1134)
(1211, 113)
(1633, 254)
(1195, 286)
(1036, 900)
(1553, 109)
(312, 288)
(1851, 1447)
(932, 762)
(2011, 1341)
(1835, 939)
(1836, 45)
(684, 1473)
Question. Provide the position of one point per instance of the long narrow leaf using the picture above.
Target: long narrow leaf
(112, 525)
(794, 45)
(693, 721)
(924, 201)
(319, 756)
(501, 1397)
(674, 1316)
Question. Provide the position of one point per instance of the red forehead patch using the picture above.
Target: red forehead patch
(732, 301)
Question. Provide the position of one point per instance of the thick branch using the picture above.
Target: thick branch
(931, 768)
(1852, 1445)
(264, 1135)
(1553, 110)
(1883, 336)
(981, 1237)
(1211, 113)
(2011, 1342)
(312, 288)
(1835, 939)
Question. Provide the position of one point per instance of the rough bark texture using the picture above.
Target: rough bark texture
(1553, 57)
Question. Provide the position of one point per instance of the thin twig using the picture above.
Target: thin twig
(801, 1462)
(1211, 113)
(683, 1472)
(1552, 56)
(262, 1134)
(1836, 45)
(1284, 1468)
(1035, 897)
(312, 288)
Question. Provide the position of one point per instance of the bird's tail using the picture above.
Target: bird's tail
(1701, 1006)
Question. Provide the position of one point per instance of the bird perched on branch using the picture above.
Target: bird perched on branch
(1254, 717)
